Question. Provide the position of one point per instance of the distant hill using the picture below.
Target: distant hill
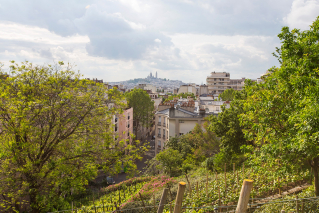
(158, 82)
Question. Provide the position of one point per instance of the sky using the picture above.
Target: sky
(118, 40)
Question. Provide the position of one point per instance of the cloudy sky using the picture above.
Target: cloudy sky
(118, 40)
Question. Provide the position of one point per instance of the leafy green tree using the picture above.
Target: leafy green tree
(227, 127)
(196, 145)
(227, 95)
(282, 113)
(170, 160)
(143, 108)
(55, 135)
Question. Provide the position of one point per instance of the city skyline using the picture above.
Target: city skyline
(180, 39)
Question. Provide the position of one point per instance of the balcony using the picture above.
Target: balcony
(164, 137)
(159, 135)
(164, 124)
(159, 124)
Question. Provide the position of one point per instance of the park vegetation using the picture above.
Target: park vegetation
(56, 135)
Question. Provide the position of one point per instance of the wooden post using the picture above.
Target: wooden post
(179, 197)
(225, 181)
(219, 202)
(244, 196)
(94, 203)
(197, 188)
(207, 184)
(237, 178)
(142, 201)
(154, 202)
(103, 205)
(189, 185)
(297, 205)
(163, 201)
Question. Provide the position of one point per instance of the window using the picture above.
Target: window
(159, 143)
(128, 116)
(181, 134)
(217, 108)
(159, 132)
(128, 134)
(181, 121)
(128, 125)
(159, 120)
(115, 127)
(115, 119)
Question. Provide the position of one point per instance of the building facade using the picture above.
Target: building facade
(218, 82)
(174, 121)
(123, 125)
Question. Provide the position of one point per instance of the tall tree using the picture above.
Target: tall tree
(282, 112)
(55, 134)
(227, 127)
(143, 108)
(227, 95)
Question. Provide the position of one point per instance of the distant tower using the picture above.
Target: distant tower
(150, 74)
(156, 74)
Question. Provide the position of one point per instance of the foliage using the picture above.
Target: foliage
(170, 160)
(227, 127)
(281, 113)
(198, 144)
(143, 108)
(55, 135)
(227, 95)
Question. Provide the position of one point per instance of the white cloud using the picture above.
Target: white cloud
(302, 14)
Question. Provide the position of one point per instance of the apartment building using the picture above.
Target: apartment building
(218, 82)
(175, 121)
(123, 125)
(187, 89)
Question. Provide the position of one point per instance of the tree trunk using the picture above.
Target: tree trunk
(315, 174)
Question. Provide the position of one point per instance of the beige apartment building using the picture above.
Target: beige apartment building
(174, 121)
(218, 82)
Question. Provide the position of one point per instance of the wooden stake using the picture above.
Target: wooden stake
(207, 184)
(154, 202)
(189, 185)
(297, 205)
(163, 201)
(197, 188)
(103, 205)
(244, 196)
(179, 197)
(225, 181)
(237, 178)
(142, 201)
(94, 203)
